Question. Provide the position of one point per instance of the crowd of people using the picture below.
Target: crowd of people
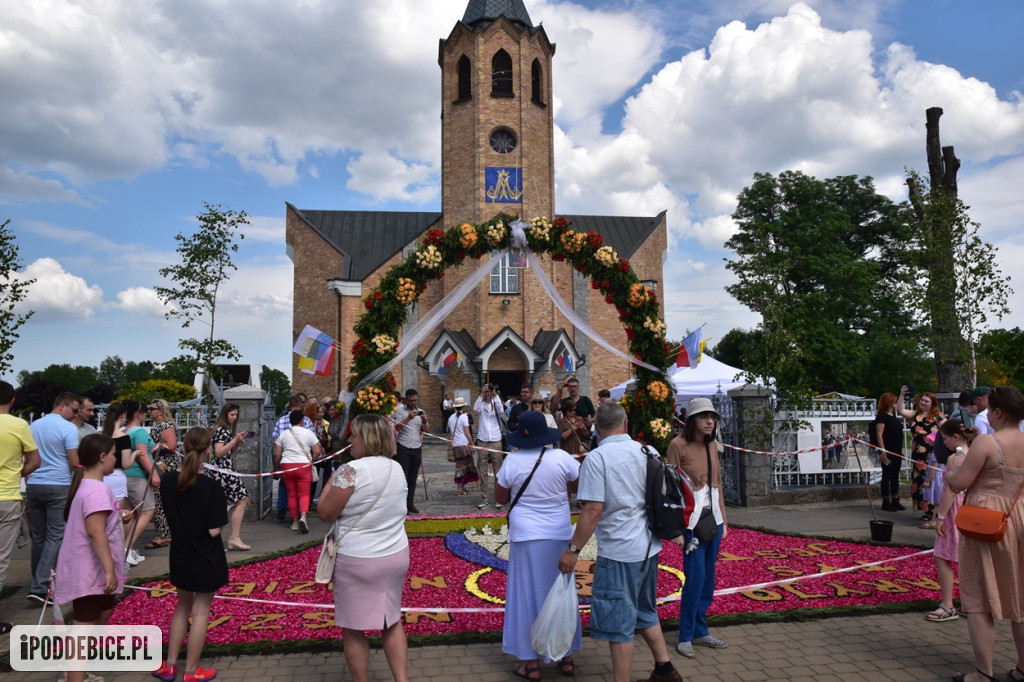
(89, 493)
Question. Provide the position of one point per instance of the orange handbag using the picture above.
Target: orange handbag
(985, 525)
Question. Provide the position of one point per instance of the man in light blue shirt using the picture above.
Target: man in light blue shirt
(612, 487)
(46, 488)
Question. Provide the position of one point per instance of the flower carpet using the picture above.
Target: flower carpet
(456, 586)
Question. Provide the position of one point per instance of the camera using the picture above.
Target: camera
(419, 413)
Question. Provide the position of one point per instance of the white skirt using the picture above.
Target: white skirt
(118, 483)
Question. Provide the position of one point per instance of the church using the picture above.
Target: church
(497, 157)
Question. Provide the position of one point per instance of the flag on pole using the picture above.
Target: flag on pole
(315, 350)
(447, 360)
(564, 361)
(691, 350)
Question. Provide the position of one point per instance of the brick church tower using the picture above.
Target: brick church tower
(497, 156)
(497, 148)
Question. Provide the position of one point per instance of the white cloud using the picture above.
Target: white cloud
(382, 176)
(264, 229)
(141, 300)
(57, 295)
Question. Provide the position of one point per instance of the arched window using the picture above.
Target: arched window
(465, 79)
(501, 75)
(537, 82)
(504, 278)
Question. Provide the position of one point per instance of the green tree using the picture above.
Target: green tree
(205, 264)
(36, 396)
(965, 286)
(1001, 357)
(733, 347)
(181, 368)
(77, 378)
(111, 371)
(13, 290)
(275, 382)
(823, 263)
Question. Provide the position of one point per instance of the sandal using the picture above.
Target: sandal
(567, 667)
(7, 627)
(157, 543)
(236, 545)
(941, 614)
(1016, 671)
(526, 672)
(962, 677)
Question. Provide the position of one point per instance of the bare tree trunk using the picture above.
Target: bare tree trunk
(948, 344)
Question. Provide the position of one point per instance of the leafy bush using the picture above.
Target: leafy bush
(151, 389)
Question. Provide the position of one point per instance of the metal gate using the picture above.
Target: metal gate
(729, 458)
(265, 484)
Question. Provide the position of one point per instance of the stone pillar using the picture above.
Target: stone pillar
(754, 426)
(246, 458)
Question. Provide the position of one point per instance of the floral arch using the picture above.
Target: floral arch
(650, 408)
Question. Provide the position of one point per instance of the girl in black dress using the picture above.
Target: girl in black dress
(196, 510)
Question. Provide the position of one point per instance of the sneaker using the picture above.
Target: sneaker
(709, 641)
(499, 507)
(167, 671)
(280, 514)
(89, 677)
(303, 526)
(200, 674)
(37, 596)
(134, 558)
(482, 505)
(685, 649)
(294, 526)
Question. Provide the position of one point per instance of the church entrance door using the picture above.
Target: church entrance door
(509, 382)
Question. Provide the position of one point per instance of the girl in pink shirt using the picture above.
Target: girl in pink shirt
(89, 571)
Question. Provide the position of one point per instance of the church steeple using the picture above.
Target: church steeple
(497, 127)
(483, 12)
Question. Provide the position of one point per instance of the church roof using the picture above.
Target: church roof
(367, 239)
(625, 234)
(486, 11)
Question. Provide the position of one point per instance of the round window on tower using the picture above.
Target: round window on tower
(503, 141)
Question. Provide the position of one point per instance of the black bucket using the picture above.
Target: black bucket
(881, 531)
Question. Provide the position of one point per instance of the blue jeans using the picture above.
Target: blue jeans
(282, 495)
(46, 517)
(699, 588)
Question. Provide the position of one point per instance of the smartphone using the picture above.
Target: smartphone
(249, 434)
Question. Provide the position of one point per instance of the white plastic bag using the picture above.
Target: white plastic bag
(553, 631)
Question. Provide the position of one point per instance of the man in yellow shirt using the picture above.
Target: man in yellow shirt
(18, 458)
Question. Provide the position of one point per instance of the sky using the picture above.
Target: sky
(120, 118)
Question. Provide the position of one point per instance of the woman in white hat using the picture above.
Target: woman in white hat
(458, 428)
(694, 451)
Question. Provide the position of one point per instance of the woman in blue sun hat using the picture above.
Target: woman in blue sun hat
(537, 479)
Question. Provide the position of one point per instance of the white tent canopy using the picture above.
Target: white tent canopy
(704, 380)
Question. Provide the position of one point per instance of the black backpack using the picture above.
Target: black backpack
(669, 497)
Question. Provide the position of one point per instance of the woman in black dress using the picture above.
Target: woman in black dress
(196, 510)
(225, 440)
(886, 433)
(925, 419)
